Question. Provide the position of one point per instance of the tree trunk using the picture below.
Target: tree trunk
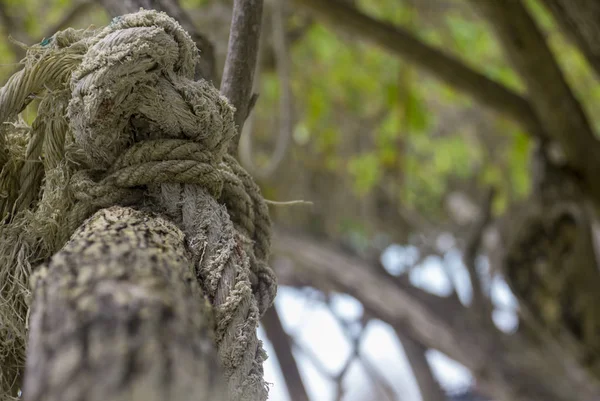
(118, 314)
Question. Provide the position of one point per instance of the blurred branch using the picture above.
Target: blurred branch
(429, 317)
(355, 340)
(283, 349)
(77, 10)
(242, 52)
(506, 366)
(429, 387)
(354, 344)
(286, 107)
(480, 302)
(293, 36)
(559, 112)
(314, 359)
(206, 65)
(377, 378)
(436, 62)
(339, 377)
(580, 20)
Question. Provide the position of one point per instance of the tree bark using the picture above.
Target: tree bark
(242, 52)
(117, 314)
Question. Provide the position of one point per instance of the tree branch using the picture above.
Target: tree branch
(506, 367)
(283, 349)
(118, 315)
(480, 301)
(206, 66)
(439, 64)
(286, 107)
(429, 317)
(240, 63)
(561, 115)
(580, 20)
(355, 339)
(429, 387)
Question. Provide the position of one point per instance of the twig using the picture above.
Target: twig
(472, 248)
(355, 341)
(371, 371)
(240, 63)
(377, 378)
(286, 107)
(314, 359)
(245, 146)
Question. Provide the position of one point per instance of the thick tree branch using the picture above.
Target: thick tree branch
(242, 52)
(439, 64)
(206, 66)
(581, 21)
(283, 349)
(429, 317)
(118, 315)
(555, 105)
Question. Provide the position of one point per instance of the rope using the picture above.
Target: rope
(121, 122)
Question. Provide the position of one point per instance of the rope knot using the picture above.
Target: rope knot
(135, 82)
(121, 119)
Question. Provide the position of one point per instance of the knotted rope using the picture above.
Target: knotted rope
(121, 122)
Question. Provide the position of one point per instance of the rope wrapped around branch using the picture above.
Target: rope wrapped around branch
(121, 122)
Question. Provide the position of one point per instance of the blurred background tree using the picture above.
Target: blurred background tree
(449, 150)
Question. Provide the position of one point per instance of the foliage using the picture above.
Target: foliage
(363, 113)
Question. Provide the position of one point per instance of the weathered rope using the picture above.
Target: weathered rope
(121, 122)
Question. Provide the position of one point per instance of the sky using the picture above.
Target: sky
(309, 321)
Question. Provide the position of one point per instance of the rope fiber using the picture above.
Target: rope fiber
(120, 121)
